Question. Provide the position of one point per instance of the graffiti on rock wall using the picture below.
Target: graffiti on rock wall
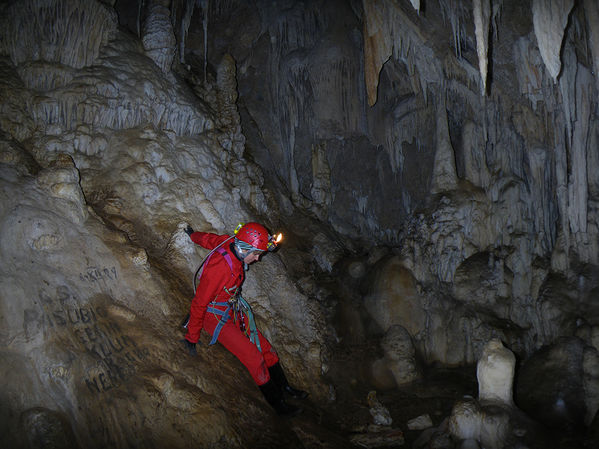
(88, 326)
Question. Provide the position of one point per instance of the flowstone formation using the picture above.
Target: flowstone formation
(433, 165)
(105, 155)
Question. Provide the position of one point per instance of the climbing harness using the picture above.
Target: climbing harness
(236, 303)
(239, 307)
(251, 236)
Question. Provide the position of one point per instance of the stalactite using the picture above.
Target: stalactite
(337, 84)
(550, 18)
(578, 184)
(181, 13)
(69, 108)
(389, 32)
(291, 86)
(204, 6)
(377, 46)
(52, 31)
(591, 8)
(482, 19)
(140, 6)
(454, 11)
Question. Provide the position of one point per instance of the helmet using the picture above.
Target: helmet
(254, 234)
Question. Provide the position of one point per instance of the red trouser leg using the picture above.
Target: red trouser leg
(238, 344)
(269, 354)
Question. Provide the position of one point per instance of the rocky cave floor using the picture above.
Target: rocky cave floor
(344, 422)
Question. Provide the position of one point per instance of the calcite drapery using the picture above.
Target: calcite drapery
(377, 45)
(549, 19)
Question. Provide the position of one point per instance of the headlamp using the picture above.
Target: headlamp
(273, 241)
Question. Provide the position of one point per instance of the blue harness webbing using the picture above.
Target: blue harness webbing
(237, 305)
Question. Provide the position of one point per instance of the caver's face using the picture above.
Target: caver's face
(252, 257)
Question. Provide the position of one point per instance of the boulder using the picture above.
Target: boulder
(550, 387)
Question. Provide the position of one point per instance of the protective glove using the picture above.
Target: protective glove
(190, 347)
(189, 230)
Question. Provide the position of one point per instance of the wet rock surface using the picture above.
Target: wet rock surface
(424, 217)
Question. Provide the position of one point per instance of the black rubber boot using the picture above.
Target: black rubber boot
(274, 396)
(277, 374)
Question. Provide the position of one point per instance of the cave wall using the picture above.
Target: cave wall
(106, 153)
(455, 132)
(468, 158)
(311, 91)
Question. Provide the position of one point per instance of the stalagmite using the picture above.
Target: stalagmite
(400, 355)
(444, 170)
(157, 36)
(321, 184)
(488, 420)
(226, 80)
(550, 18)
(482, 18)
(495, 373)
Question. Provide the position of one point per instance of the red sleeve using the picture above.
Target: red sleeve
(207, 239)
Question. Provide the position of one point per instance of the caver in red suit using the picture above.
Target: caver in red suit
(216, 308)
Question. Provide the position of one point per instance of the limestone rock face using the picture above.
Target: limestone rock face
(590, 382)
(104, 159)
(367, 117)
(498, 188)
(77, 299)
(482, 283)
